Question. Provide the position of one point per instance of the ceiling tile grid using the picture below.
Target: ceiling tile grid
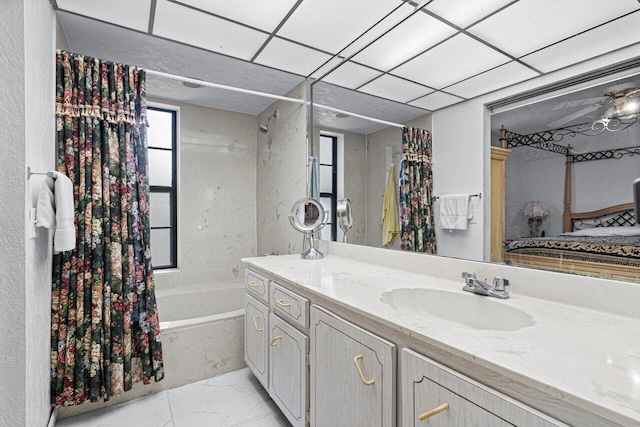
(435, 101)
(394, 88)
(330, 25)
(351, 75)
(265, 15)
(497, 78)
(458, 58)
(187, 25)
(529, 25)
(292, 57)
(598, 41)
(413, 36)
(465, 12)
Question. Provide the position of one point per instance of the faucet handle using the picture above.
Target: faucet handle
(499, 283)
(468, 275)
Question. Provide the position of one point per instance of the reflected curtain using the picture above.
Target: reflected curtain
(416, 192)
(105, 328)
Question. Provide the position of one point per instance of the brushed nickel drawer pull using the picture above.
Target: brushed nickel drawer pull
(282, 304)
(274, 341)
(253, 284)
(255, 324)
(355, 362)
(434, 411)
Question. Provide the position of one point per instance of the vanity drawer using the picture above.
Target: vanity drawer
(434, 395)
(257, 285)
(289, 305)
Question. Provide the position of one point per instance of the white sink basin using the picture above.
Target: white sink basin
(462, 308)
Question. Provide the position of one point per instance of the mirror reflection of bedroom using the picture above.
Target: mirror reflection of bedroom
(569, 165)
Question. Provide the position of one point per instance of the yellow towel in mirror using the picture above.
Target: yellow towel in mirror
(390, 225)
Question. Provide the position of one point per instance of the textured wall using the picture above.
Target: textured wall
(40, 143)
(12, 200)
(355, 180)
(28, 134)
(281, 174)
(217, 195)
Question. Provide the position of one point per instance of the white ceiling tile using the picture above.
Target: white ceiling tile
(186, 25)
(136, 16)
(331, 25)
(265, 15)
(497, 78)
(598, 41)
(449, 62)
(408, 39)
(435, 101)
(352, 75)
(391, 87)
(291, 57)
(532, 24)
(465, 12)
(397, 16)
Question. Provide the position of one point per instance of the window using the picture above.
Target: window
(162, 135)
(329, 183)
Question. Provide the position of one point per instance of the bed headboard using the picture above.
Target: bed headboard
(614, 216)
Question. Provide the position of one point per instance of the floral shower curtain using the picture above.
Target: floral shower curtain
(416, 192)
(105, 328)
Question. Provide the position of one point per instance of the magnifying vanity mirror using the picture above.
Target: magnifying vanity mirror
(364, 95)
(308, 216)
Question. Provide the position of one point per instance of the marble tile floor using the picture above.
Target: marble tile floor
(233, 399)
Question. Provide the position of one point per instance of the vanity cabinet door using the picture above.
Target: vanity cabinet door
(256, 331)
(435, 396)
(289, 376)
(352, 374)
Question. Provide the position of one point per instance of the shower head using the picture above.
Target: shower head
(265, 127)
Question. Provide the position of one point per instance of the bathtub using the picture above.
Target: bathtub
(202, 331)
(202, 334)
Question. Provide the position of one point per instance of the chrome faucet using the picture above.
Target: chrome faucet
(480, 287)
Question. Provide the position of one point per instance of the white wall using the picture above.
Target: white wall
(217, 195)
(281, 174)
(461, 140)
(27, 132)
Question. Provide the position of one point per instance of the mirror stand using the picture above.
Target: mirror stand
(308, 216)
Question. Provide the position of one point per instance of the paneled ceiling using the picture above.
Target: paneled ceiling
(421, 57)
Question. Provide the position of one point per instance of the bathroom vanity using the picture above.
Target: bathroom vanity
(365, 337)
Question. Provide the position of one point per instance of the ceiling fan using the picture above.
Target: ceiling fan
(620, 101)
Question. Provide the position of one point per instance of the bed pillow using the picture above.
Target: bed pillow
(606, 231)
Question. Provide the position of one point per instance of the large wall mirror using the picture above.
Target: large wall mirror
(439, 68)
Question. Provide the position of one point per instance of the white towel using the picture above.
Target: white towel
(454, 211)
(55, 200)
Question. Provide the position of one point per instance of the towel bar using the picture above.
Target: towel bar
(479, 195)
(29, 173)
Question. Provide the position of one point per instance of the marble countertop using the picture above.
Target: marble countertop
(585, 357)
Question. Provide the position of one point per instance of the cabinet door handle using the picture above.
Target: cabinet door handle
(253, 284)
(274, 341)
(434, 411)
(255, 324)
(355, 362)
(282, 304)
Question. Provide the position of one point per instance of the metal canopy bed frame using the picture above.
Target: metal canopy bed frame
(613, 216)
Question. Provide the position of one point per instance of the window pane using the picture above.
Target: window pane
(161, 247)
(160, 209)
(326, 204)
(326, 150)
(325, 233)
(159, 132)
(326, 179)
(160, 163)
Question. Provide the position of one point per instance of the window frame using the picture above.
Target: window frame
(334, 184)
(172, 190)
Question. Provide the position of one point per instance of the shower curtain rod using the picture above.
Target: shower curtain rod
(360, 116)
(224, 87)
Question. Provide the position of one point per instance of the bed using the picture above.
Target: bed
(602, 243)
